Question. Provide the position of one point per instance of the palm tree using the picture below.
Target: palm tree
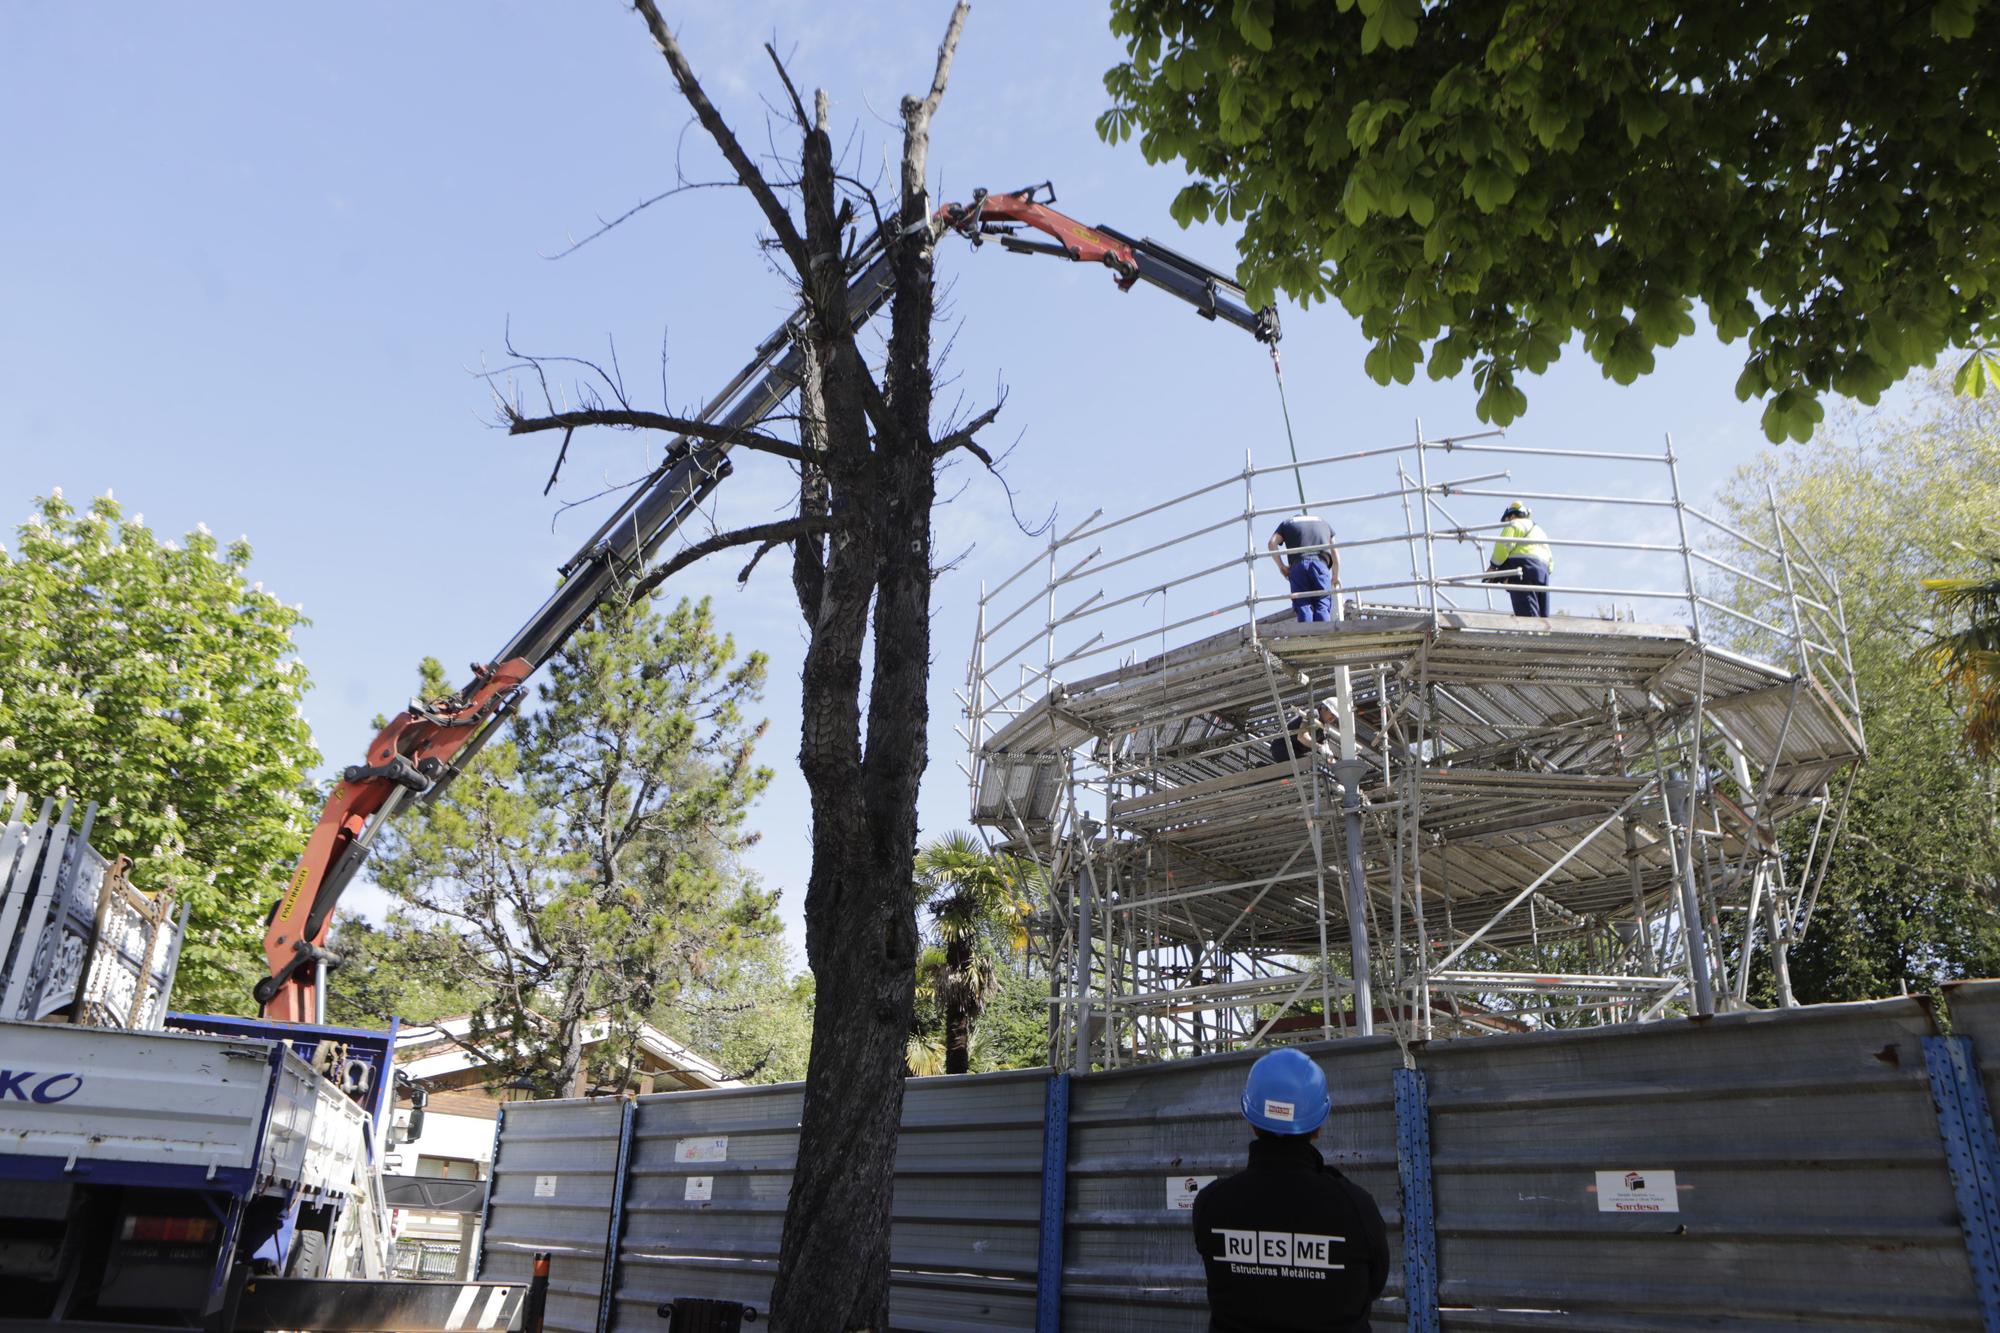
(978, 905)
(1969, 658)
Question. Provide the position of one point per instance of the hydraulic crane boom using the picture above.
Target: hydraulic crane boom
(1214, 295)
(424, 747)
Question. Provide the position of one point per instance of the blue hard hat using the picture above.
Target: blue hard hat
(1286, 1094)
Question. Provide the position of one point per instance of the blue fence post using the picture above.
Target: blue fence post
(1055, 1180)
(614, 1231)
(1972, 1152)
(1413, 1166)
(486, 1202)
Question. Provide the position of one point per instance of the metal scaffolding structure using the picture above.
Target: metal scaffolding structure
(1526, 822)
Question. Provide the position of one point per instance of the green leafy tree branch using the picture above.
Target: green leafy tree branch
(153, 677)
(1480, 182)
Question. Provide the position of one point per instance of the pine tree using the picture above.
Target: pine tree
(583, 870)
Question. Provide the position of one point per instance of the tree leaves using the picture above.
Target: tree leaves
(1193, 204)
(1253, 20)
(1791, 416)
(584, 869)
(1389, 23)
(1829, 189)
(1979, 371)
(1954, 19)
(1395, 358)
(1488, 184)
(978, 904)
(1910, 896)
(154, 678)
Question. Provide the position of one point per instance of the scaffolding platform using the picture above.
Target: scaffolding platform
(1553, 820)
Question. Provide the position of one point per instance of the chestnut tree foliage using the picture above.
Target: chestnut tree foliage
(153, 677)
(1480, 182)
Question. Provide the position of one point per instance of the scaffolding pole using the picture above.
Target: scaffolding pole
(1477, 760)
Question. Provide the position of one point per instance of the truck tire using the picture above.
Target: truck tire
(309, 1254)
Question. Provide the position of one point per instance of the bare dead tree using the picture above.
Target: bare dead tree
(867, 459)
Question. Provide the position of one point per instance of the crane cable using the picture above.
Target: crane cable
(1278, 371)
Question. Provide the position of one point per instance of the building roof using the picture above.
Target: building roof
(428, 1050)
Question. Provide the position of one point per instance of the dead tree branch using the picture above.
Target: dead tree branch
(628, 419)
(947, 49)
(962, 438)
(798, 107)
(725, 138)
(640, 207)
(784, 530)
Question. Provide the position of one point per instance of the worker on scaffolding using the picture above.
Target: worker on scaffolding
(1289, 1242)
(1308, 739)
(1523, 559)
(1303, 549)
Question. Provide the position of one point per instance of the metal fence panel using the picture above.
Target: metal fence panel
(723, 1246)
(1974, 1007)
(551, 1191)
(1137, 1136)
(1809, 1186)
(75, 936)
(711, 1171)
(1808, 1182)
(966, 1221)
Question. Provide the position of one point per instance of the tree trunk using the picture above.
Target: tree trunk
(570, 1066)
(867, 473)
(861, 925)
(957, 1012)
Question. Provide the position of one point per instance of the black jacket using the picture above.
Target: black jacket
(1290, 1244)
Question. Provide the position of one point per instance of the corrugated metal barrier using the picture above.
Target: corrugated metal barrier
(1141, 1139)
(1825, 1168)
(554, 1172)
(1761, 1169)
(705, 1199)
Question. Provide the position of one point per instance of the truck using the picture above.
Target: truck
(148, 1175)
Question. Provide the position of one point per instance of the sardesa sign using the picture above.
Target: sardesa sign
(29, 1085)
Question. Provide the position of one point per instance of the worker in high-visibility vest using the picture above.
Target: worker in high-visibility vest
(1522, 554)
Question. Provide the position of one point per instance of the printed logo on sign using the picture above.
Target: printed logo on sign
(1279, 1110)
(1182, 1189)
(1637, 1192)
(1279, 1253)
(28, 1085)
(710, 1149)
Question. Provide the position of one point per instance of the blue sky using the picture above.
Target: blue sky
(251, 257)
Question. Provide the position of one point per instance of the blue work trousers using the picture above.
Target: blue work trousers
(1312, 585)
(1532, 577)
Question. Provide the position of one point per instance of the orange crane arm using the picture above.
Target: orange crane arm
(428, 743)
(408, 757)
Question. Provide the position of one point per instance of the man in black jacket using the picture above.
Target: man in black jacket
(1289, 1243)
